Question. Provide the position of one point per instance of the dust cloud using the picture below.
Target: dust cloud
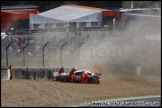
(123, 52)
(119, 52)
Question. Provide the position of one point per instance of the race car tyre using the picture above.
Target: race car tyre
(98, 82)
(57, 78)
(63, 80)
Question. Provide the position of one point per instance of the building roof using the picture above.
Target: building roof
(68, 13)
(17, 7)
(72, 13)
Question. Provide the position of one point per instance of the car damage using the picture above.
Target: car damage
(79, 76)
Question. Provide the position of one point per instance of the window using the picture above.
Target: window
(60, 25)
(82, 24)
(48, 26)
(78, 73)
(94, 24)
(36, 26)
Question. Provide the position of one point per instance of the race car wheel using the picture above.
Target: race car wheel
(98, 82)
(91, 80)
(61, 80)
(57, 78)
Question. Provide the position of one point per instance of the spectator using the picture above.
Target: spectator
(18, 43)
(61, 70)
(28, 40)
(24, 42)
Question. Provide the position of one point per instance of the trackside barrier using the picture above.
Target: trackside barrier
(4, 74)
(17, 73)
(23, 74)
(28, 73)
(31, 73)
(46, 74)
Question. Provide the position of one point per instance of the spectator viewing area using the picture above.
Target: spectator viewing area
(71, 17)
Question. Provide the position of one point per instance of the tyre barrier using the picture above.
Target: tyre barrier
(30, 73)
(35, 74)
(17, 74)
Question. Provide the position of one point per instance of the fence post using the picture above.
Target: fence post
(43, 51)
(61, 52)
(7, 53)
(23, 57)
(80, 44)
(54, 40)
(27, 73)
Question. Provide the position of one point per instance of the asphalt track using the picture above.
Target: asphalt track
(143, 101)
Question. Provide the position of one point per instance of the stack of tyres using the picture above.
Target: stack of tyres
(40, 74)
(17, 74)
(50, 74)
(47, 74)
(31, 73)
(43, 73)
(23, 74)
(27, 74)
(35, 72)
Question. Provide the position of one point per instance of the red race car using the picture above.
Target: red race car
(93, 78)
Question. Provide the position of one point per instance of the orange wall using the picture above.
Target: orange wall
(8, 17)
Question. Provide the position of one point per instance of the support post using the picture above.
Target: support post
(61, 52)
(43, 51)
(7, 53)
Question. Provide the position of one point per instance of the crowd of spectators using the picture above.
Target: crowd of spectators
(18, 43)
(29, 42)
